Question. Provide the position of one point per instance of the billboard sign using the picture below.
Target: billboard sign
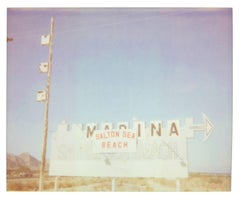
(144, 150)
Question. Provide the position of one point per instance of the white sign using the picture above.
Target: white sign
(114, 141)
(41, 96)
(45, 39)
(43, 68)
(145, 150)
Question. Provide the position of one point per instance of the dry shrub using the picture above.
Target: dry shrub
(165, 182)
(206, 182)
(22, 186)
(101, 188)
(215, 180)
(48, 185)
(149, 189)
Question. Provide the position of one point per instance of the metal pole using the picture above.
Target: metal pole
(45, 131)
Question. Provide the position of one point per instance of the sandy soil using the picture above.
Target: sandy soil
(195, 182)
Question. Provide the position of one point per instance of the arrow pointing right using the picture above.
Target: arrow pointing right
(207, 127)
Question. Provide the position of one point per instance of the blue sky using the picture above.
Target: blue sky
(111, 65)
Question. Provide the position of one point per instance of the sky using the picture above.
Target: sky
(112, 65)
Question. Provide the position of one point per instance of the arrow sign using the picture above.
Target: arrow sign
(207, 127)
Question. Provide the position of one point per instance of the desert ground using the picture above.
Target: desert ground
(195, 182)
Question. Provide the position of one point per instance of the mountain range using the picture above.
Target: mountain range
(24, 159)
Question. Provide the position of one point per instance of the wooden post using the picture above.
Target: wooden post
(178, 185)
(45, 131)
(113, 185)
(56, 183)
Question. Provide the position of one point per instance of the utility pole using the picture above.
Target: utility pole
(44, 96)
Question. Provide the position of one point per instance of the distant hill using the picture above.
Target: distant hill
(14, 161)
(24, 159)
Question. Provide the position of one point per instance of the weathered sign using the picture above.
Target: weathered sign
(142, 150)
(114, 141)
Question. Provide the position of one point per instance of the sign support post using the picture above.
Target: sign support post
(113, 184)
(178, 185)
(45, 131)
(56, 183)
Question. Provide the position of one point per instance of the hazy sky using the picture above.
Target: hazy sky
(111, 65)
